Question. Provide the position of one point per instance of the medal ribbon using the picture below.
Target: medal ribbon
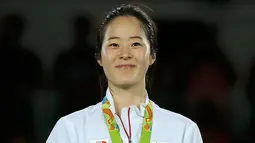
(113, 126)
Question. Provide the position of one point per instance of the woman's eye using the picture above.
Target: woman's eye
(136, 44)
(114, 45)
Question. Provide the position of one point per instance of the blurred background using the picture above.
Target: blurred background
(205, 66)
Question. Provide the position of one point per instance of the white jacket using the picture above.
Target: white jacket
(88, 126)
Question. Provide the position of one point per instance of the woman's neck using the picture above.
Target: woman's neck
(122, 98)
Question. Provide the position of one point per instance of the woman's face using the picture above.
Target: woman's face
(125, 54)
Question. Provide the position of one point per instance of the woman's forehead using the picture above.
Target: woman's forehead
(125, 27)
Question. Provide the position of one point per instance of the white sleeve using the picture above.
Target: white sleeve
(63, 132)
(192, 134)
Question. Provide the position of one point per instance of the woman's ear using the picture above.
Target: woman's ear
(98, 58)
(99, 61)
(152, 59)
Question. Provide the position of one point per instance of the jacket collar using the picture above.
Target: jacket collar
(112, 107)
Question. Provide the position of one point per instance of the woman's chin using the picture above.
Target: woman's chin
(125, 83)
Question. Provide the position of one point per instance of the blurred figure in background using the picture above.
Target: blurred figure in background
(75, 69)
(212, 124)
(20, 74)
(184, 38)
(211, 77)
(209, 85)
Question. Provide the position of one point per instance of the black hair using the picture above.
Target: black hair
(148, 26)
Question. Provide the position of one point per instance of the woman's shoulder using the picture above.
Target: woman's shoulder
(80, 116)
(171, 117)
(178, 126)
(66, 127)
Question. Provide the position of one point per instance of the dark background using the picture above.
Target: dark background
(205, 68)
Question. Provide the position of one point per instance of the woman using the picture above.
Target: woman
(126, 49)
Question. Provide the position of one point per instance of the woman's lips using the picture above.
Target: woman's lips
(125, 66)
